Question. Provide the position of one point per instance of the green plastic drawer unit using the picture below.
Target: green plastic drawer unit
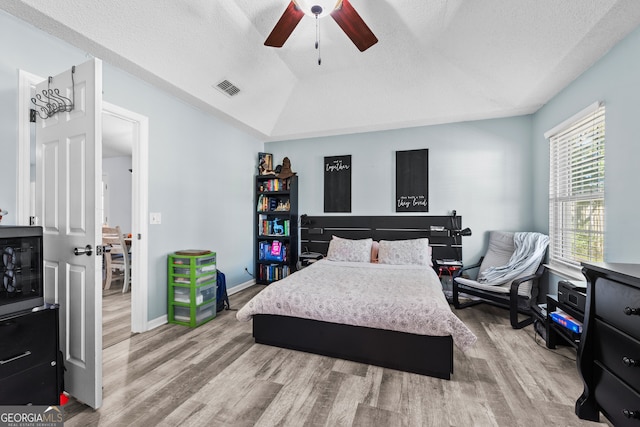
(192, 287)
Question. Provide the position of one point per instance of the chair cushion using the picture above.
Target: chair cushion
(524, 289)
(500, 249)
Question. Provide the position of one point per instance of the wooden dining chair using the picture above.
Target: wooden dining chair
(116, 257)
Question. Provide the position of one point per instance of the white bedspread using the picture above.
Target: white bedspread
(406, 298)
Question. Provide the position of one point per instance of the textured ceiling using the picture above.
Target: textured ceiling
(437, 61)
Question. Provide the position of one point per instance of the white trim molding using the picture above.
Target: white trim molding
(566, 272)
(241, 287)
(140, 207)
(26, 82)
(571, 120)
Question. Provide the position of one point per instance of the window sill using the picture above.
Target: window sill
(566, 272)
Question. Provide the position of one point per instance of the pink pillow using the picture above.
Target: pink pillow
(374, 251)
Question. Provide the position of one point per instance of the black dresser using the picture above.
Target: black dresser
(609, 352)
(31, 369)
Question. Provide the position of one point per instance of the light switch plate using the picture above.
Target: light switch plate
(155, 218)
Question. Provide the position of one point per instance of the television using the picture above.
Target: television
(21, 265)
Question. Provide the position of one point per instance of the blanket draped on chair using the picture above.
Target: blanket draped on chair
(529, 250)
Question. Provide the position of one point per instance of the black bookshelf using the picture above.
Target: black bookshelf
(275, 227)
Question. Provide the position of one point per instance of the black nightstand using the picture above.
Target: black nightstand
(446, 270)
(307, 258)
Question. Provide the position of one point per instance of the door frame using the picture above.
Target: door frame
(140, 212)
(140, 189)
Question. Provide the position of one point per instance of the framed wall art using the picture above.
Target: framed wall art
(412, 181)
(337, 184)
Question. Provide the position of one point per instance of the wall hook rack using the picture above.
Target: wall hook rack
(51, 101)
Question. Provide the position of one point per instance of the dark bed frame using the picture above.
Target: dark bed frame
(426, 355)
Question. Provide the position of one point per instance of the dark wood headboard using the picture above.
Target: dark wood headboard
(316, 231)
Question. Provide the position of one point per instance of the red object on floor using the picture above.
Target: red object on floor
(64, 399)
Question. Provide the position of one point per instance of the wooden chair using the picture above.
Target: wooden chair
(116, 257)
(517, 294)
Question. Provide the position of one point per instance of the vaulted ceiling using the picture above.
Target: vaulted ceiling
(437, 61)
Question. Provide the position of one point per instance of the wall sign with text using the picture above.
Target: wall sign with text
(337, 184)
(412, 181)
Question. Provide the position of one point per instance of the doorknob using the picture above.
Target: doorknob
(87, 250)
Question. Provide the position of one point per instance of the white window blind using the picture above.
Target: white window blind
(576, 191)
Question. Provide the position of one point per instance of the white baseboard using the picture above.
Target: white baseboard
(159, 321)
(240, 287)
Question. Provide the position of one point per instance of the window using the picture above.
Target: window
(576, 189)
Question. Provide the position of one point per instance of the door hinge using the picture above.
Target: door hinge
(32, 115)
(33, 220)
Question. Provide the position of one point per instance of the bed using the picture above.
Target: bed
(389, 315)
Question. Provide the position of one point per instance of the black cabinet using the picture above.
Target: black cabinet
(30, 365)
(276, 227)
(609, 352)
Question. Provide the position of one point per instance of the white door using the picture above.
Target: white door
(68, 185)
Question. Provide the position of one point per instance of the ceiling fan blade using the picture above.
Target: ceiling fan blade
(285, 26)
(353, 26)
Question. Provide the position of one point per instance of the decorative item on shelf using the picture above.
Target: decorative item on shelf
(265, 164)
(285, 170)
(51, 101)
(283, 206)
(3, 213)
(277, 227)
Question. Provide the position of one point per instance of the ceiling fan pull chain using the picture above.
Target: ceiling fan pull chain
(318, 39)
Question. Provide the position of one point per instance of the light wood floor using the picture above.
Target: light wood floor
(215, 375)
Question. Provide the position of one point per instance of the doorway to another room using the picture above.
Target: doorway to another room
(117, 194)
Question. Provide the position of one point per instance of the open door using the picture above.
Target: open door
(68, 181)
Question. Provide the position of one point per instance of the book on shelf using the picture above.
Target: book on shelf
(272, 251)
(567, 321)
(272, 272)
(274, 185)
(273, 227)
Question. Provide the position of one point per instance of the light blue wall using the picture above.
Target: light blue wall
(481, 169)
(200, 179)
(119, 179)
(615, 79)
(201, 169)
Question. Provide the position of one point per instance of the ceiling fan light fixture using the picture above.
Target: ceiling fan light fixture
(319, 8)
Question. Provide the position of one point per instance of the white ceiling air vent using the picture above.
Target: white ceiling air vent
(228, 88)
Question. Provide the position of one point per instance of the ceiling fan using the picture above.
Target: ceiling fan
(340, 10)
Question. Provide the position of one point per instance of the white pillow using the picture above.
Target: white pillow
(405, 252)
(349, 250)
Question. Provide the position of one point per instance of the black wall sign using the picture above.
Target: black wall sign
(412, 181)
(337, 184)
